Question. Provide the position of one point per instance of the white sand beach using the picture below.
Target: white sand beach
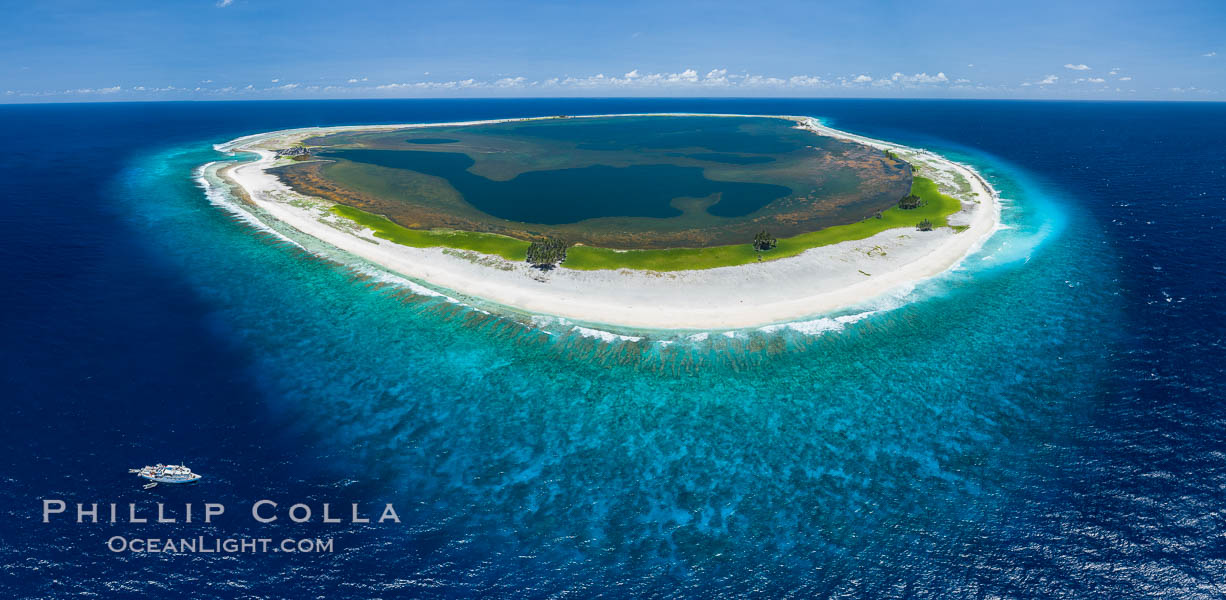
(819, 281)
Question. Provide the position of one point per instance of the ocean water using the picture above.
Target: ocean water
(1043, 422)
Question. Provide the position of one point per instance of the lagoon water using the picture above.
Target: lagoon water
(571, 195)
(1043, 422)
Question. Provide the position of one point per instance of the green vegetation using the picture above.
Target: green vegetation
(935, 208)
(910, 202)
(487, 243)
(764, 241)
(546, 253)
(924, 225)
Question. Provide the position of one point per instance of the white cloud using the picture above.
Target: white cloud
(634, 81)
(590, 81)
(760, 81)
(805, 81)
(224, 3)
(919, 78)
(1114, 71)
(510, 82)
(716, 78)
(1074, 67)
(434, 85)
(1209, 54)
(107, 90)
(971, 66)
(1050, 79)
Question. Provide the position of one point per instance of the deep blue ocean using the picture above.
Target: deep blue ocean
(1044, 422)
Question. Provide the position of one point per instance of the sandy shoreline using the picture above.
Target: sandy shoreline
(820, 281)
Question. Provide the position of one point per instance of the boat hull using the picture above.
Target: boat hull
(172, 479)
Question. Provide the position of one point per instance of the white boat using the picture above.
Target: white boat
(161, 473)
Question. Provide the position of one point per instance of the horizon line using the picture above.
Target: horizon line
(513, 98)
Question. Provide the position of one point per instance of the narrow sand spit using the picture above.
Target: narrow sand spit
(821, 280)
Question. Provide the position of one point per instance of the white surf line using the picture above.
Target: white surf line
(219, 198)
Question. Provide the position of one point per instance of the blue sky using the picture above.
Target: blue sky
(56, 50)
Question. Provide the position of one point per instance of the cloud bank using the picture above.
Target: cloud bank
(635, 82)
